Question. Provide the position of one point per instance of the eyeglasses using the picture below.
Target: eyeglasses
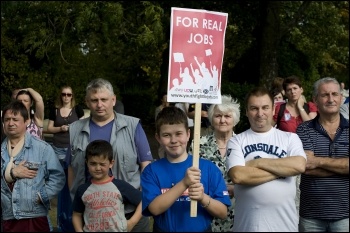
(66, 94)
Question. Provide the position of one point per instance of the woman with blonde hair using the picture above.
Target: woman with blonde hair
(65, 112)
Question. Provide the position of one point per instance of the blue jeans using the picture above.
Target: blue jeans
(64, 202)
(64, 209)
(60, 152)
(317, 225)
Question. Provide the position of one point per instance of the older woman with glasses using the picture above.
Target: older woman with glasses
(61, 115)
(222, 117)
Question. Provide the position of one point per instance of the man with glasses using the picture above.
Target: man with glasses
(324, 198)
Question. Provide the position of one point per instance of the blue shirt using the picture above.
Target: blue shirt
(325, 198)
(161, 175)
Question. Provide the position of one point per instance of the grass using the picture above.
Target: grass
(53, 213)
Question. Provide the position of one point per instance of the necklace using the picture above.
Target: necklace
(330, 127)
(223, 142)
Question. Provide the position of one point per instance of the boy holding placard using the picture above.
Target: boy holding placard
(169, 184)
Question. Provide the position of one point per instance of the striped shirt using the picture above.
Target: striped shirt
(324, 198)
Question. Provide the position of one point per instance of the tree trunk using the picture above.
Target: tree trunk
(269, 41)
(164, 68)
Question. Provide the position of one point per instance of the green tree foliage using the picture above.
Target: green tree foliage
(47, 44)
(323, 38)
(59, 43)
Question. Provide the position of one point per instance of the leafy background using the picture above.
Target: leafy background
(48, 44)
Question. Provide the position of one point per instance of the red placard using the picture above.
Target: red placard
(197, 42)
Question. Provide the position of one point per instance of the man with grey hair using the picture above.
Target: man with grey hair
(324, 187)
(130, 145)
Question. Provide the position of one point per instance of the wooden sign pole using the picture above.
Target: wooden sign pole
(196, 135)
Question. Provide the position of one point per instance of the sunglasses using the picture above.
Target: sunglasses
(66, 94)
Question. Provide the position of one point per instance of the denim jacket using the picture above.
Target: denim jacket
(23, 202)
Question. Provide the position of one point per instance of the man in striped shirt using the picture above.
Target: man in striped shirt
(324, 198)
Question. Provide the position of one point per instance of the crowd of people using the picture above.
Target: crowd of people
(288, 172)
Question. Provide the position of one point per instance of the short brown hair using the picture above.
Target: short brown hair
(17, 107)
(98, 148)
(169, 116)
(291, 80)
(258, 91)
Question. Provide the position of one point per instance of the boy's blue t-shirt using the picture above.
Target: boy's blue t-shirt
(161, 175)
